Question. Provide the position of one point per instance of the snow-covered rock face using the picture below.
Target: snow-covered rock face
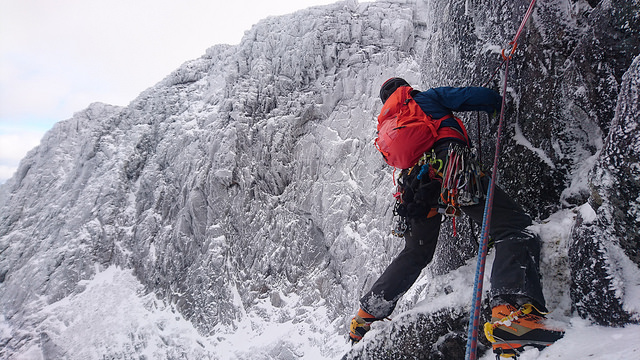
(244, 190)
(605, 244)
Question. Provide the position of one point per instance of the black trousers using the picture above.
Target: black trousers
(515, 274)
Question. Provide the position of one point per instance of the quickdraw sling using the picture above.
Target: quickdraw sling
(435, 186)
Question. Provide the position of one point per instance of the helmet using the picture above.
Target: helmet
(390, 86)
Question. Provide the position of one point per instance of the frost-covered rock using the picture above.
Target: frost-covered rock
(604, 253)
(427, 336)
(244, 192)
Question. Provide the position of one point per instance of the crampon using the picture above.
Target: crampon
(511, 330)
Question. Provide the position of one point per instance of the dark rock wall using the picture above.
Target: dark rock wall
(250, 174)
(599, 281)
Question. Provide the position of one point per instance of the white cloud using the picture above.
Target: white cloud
(57, 57)
(14, 145)
(113, 49)
(6, 172)
(18, 142)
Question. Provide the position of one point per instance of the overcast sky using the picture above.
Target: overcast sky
(57, 57)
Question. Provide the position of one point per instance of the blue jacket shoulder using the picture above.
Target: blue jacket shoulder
(442, 101)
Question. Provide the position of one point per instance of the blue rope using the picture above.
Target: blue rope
(476, 304)
(474, 317)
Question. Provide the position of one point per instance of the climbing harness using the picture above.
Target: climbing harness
(428, 168)
(460, 177)
(474, 318)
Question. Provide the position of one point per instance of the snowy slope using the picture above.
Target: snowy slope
(112, 315)
(238, 209)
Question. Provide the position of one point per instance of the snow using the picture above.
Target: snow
(580, 178)
(522, 140)
(193, 210)
(112, 314)
(587, 213)
(585, 341)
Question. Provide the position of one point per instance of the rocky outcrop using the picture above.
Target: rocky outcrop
(606, 238)
(245, 188)
(424, 336)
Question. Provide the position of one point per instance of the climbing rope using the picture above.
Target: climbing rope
(474, 318)
(514, 42)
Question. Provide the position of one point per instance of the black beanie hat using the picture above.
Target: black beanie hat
(390, 86)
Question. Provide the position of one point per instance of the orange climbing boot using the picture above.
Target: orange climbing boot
(360, 325)
(511, 329)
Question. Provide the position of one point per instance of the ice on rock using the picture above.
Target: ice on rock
(238, 209)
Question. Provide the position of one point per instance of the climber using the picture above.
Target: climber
(515, 279)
